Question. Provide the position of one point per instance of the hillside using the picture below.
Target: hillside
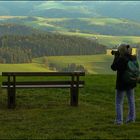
(100, 26)
(15, 29)
(107, 40)
(27, 25)
(107, 31)
(22, 49)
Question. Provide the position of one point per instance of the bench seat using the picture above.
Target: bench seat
(42, 86)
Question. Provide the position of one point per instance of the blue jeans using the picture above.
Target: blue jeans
(119, 105)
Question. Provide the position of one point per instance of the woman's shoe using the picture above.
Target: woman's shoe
(130, 121)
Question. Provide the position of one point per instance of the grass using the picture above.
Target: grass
(108, 40)
(46, 114)
(94, 64)
(103, 21)
(23, 67)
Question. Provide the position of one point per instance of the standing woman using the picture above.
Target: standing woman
(120, 65)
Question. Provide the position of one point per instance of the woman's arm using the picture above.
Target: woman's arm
(119, 63)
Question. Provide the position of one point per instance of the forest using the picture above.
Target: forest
(22, 48)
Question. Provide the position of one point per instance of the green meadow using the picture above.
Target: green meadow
(109, 41)
(23, 67)
(46, 113)
(94, 64)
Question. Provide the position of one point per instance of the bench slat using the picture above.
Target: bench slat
(42, 73)
(44, 83)
(42, 86)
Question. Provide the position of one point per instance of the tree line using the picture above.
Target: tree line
(68, 68)
(22, 48)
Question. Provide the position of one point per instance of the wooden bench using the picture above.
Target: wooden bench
(11, 83)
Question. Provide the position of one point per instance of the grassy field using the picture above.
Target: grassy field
(94, 64)
(46, 114)
(109, 41)
(23, 67)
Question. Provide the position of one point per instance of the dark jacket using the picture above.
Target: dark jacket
(120, 65)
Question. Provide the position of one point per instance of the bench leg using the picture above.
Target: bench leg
(74, 96)
(11, 98)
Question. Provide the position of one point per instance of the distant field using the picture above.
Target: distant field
(94, 64)
(109, 41)
(22, 67)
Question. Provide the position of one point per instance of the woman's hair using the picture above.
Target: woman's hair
(124, 49)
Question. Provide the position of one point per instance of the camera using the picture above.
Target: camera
(115, 52)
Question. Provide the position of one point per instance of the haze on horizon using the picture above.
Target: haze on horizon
(72, 9)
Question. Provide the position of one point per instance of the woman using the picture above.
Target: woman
(120, 65)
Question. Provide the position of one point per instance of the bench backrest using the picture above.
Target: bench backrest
(11, 78)
(43, 73)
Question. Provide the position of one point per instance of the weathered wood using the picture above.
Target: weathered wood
(43, 73)
(11, 98)
(43, 86)
(43, 83)
(74, 96)
(74, 90)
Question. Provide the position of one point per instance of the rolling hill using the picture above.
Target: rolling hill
(16, 29)
(72, 9)
(108, 40)
(102, 26)
(107, 31)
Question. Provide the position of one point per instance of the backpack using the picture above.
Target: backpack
(132, 72)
